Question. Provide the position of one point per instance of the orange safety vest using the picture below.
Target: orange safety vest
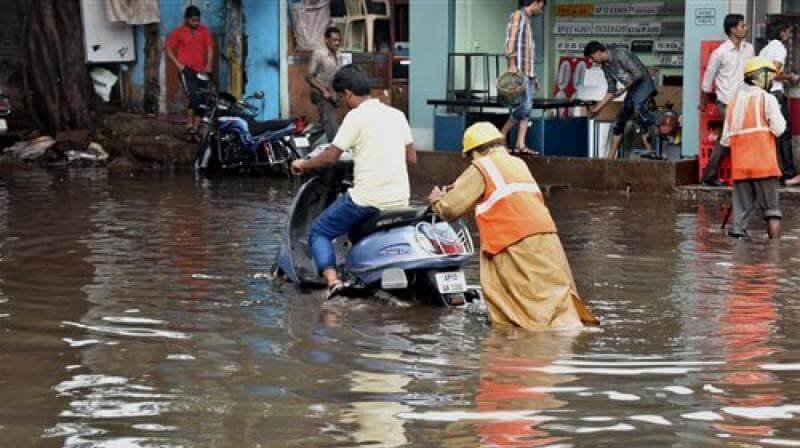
(753, 151)
(512, 206)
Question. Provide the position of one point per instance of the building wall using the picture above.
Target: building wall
(262, 26)
(480, 27)
(430, 29)
(693, 35)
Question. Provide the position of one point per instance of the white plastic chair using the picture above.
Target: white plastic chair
(356, 11)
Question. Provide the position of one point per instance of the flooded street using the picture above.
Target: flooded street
(138, 313)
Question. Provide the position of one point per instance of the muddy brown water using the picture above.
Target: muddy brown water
(137, 313)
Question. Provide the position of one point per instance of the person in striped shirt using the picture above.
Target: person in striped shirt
(521, 55)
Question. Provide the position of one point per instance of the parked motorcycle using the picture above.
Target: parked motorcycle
(231, 139)
(407, 250)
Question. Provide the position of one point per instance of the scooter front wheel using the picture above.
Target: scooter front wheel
(427, 290)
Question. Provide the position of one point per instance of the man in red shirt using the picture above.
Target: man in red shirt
(191, 48)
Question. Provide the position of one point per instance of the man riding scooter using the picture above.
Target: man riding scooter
(380, 139)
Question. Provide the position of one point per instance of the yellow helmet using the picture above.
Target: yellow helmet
(479, 134)
(757, 63)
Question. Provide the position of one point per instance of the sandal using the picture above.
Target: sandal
(524, 150)
(333, 290)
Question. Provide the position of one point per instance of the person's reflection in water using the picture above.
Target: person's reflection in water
(746, 327)
(509, 383)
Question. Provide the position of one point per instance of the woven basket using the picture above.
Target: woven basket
(511, 89)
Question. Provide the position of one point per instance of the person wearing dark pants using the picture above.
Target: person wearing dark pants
(379, 137)
(191, 48)
(752, 122)
(321, 70)
(725, 71)
(780, 32)
(620, 65)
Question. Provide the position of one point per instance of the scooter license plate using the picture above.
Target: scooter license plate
(301, 142)
(451, 282)
(3, 126)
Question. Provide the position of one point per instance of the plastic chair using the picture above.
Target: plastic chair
(356, 11)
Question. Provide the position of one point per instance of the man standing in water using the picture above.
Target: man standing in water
(380, 139)
(752, 121)
(521, 56)
(525, 274)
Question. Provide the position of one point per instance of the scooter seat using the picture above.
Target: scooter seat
(259, 127)
(389, 219)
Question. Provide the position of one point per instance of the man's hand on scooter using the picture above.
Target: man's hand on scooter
(298, 167)
(437, 194)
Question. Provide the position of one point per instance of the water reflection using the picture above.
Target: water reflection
(136, 313)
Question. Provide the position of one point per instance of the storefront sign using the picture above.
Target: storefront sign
(644, 28)
(611, 9)
(669, 46)
(672, 60)
(645, 9)
(705, 16)
(572, 28)
(611, 28)
(642, 46)
(574, 10)
(571, 45)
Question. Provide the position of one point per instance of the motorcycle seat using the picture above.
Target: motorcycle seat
(259, 127)
(388, 219)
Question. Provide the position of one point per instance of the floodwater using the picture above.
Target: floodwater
(137, 313)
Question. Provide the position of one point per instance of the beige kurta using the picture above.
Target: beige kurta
(530, 283)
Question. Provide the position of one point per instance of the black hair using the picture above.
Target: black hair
(526, 3)
(592, 48)
(331, 30)
(732, 21)
(776, 27)
(352, 78)
(191, 11)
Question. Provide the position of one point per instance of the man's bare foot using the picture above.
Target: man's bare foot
(793, 181)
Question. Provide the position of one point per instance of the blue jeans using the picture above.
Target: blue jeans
(523, 111)
(340, 218)
(635, 101)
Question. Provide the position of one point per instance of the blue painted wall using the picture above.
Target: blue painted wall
(694, 34)
(431, 35)
(262, 27)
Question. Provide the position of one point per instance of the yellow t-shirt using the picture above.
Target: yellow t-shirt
(377, 134)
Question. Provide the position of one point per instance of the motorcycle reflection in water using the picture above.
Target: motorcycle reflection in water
(232, 140)
(406, 251)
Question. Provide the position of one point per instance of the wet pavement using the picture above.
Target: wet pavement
(137, 313)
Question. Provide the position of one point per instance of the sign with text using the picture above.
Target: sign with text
(705, 16)
(669, 46)
(572, 28)
(574, 10)
(645, 9)
(611, 28)
(611, 9)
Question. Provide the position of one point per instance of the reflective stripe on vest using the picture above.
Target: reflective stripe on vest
(753, 152)
(502, 189)
(509, 212)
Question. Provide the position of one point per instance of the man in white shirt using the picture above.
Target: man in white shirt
(726, 71)
(780, 32)
(380, 139)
